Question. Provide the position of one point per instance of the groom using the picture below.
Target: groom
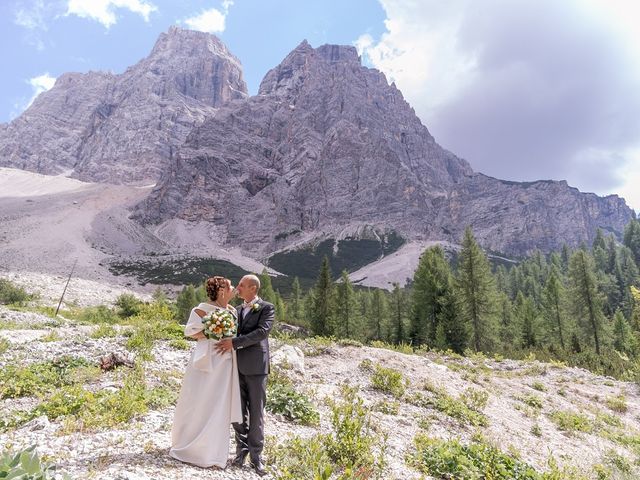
(255, 319)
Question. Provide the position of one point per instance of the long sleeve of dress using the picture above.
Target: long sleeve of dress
(194, 324)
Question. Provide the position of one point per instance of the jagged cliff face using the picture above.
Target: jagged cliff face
(325, 145)
(123, 128)
(328, 148)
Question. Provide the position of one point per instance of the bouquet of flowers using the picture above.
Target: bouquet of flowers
(219, 324)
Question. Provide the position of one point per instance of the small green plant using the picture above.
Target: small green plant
(571, 422)
(104, 330)
(283, 398)
(387, 407)
(366, 365)
(618, 462)
(475, 399)
(351, 451)
(38, 378)
(300, 458)
(51, 336)
(467, 411)
(349, 342)
(97, 315)
(532, 400)
(180, 344)
(536, 430)
(26, 465)
(400, 347)
(353, 445)
(128, 305)
(617, 403)
(10, 293)
(539, 386)
(478, 460)
(314, 346)
(389, 381)
(4, 345)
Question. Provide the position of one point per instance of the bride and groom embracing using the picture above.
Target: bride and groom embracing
(225, 380)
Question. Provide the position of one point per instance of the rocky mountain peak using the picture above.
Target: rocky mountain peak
(123, 128)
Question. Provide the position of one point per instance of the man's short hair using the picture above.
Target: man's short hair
(254, 281)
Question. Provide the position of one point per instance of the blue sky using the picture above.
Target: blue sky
(40, 38)
(522, 89)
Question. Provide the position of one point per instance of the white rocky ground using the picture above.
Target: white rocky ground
(49, 222)
(139, 450)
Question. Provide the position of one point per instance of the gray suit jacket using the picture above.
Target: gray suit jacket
(251, 342)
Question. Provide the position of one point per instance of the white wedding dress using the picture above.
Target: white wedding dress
(209, 402)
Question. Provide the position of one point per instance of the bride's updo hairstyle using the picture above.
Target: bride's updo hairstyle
(213, 284)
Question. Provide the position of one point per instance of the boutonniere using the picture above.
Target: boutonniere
(255, 307)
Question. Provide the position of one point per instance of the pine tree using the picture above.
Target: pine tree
(507, 326)
(185, 301)
(527, 318)
(430, 283)
(379, 318)
(453, 326)
(346, 309)
(477, 293)
(280, 307)
(553, 311)
(296, 306)
(323, 306)
(623, 338)
(398, 314)
(266, 288)
(632, 239)
(586, 299)
(599, 241)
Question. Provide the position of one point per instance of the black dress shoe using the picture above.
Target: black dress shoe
(258, 467)
(238, 461)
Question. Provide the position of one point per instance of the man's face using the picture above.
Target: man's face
(246, 290)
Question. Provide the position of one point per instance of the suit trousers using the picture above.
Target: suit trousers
(250, 433)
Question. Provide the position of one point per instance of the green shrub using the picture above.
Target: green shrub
(475, 399)
(39, 378)
(350, 452)
(387, 407)
(26, 465)
(4, 345)
(283, 398)
(401, 347)
(97, 315)
(451, 459)
(617, 403)
(539, 386)
(532, 400)
(571, 422)
(300, 458)
(180, 344)
(389, 381)
(353, 445)
(366, 365)
(478, 461)
(104, 331)
(12, 293)
(465, 410)
(128, 305)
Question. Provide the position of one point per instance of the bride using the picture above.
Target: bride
(209, 399)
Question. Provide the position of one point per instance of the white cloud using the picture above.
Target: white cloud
(104, 11)
(31, 17)
(211, 20)
(526, 89)
(40, 84)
